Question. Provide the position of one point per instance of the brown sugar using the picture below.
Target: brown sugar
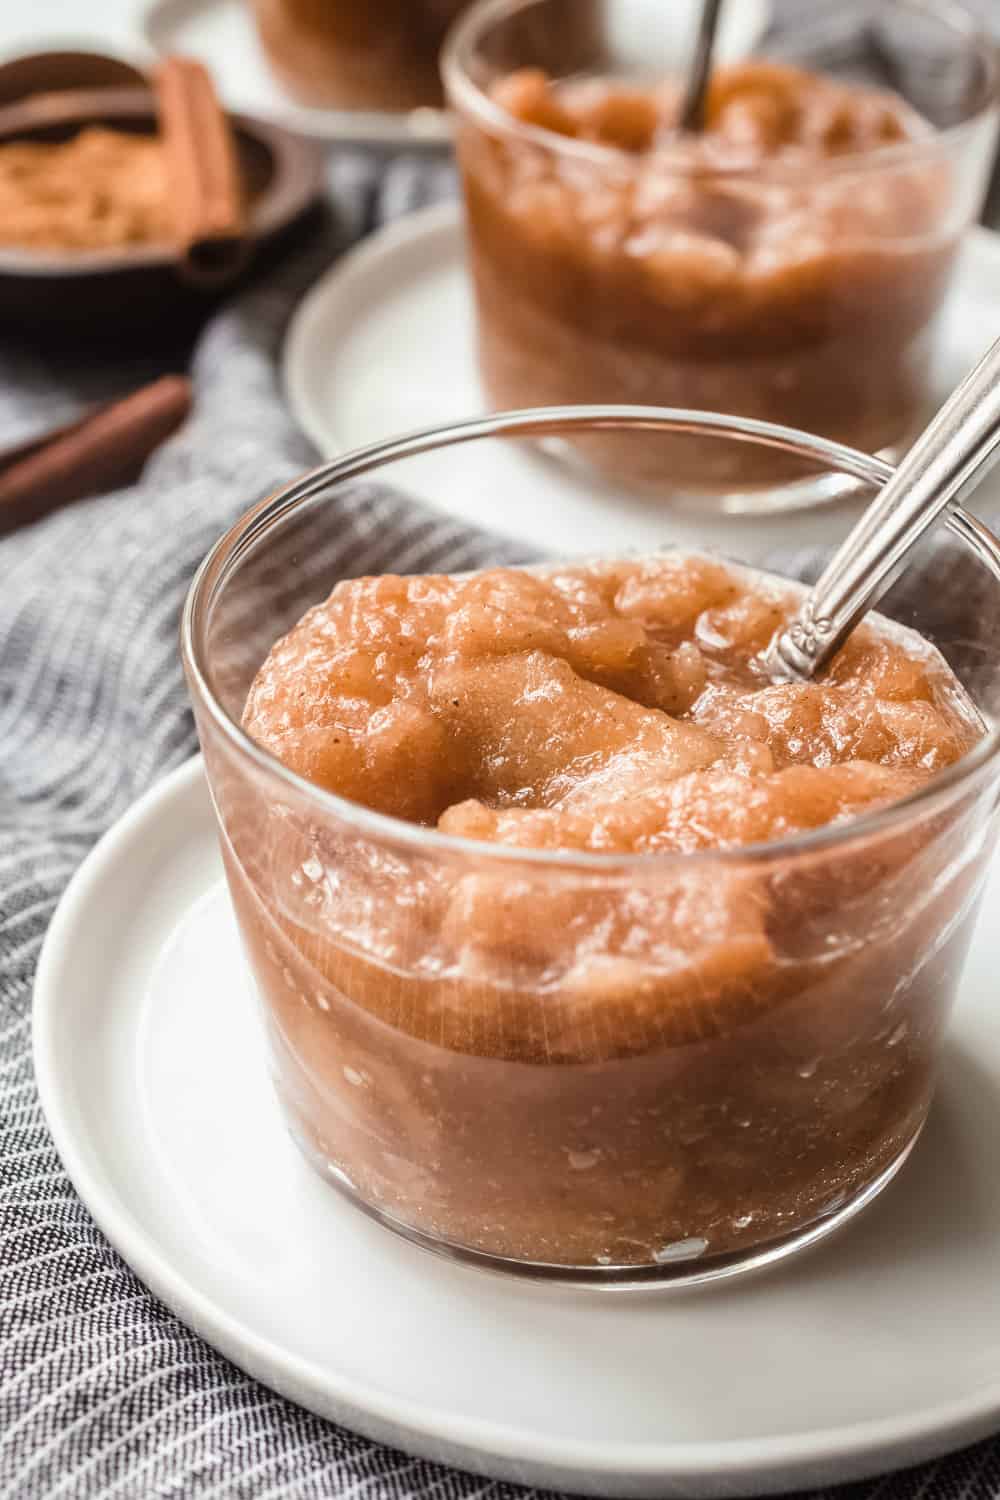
(720, 1040)
(101, 189)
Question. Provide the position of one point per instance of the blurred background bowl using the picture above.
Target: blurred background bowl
(114, 295)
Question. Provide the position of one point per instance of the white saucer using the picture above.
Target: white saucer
(877, 1350)
(384, 343)
(222, 34)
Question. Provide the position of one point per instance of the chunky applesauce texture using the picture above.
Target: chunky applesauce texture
(787, 263)
(591, 1066)
(614, 707)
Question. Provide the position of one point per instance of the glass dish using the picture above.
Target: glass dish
(382, 55)
(608, 1136)
(369, 72)
(800, 288)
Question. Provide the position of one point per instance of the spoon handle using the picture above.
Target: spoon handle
(950, 457)
(692, 116)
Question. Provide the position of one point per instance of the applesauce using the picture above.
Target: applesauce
(382, 54)
(670, 1057)
(787, 264)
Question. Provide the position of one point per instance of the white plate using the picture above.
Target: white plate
(222, 34)
(384, 342)
(878, 1349)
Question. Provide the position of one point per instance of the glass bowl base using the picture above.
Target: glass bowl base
(682, 1264)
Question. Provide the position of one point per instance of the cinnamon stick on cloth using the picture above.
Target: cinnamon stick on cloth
(101, 451)
(203, 172)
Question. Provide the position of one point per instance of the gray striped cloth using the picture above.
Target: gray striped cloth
(104, 1395)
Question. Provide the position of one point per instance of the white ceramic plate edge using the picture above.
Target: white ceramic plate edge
(159, 23)
(758, 1465)
(361, 263)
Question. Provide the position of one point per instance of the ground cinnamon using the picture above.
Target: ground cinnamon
(102, 189)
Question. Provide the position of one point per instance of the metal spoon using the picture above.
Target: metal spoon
(951, 456)
(692, 115)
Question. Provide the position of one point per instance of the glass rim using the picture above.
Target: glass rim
(465, 96)
(227, 552)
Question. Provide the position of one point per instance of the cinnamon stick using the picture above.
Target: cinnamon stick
(99, 452)
(203, 175)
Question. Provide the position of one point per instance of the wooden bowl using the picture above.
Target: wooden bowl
(64, 68)
(117, 294)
